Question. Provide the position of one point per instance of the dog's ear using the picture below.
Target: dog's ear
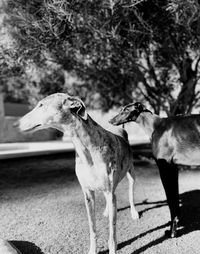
(139, 106)
(77, 107)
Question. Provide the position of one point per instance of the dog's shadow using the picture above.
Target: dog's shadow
(154, 205)
(190, 212)
(26, 247)
(190, 220)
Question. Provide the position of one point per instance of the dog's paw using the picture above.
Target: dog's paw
(92, 252)
(135, 215)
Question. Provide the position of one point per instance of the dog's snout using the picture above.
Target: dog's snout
(113, 121)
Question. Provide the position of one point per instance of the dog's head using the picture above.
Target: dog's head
(53, 111)
(129, 113)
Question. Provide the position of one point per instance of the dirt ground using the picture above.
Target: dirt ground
(42, 210)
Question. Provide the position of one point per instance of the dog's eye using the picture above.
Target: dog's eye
(40, 105)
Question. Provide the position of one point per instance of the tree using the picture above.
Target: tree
(119, 50)
(174, 53)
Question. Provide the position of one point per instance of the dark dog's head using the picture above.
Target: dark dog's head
(129, 113)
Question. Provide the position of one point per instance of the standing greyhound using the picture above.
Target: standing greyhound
(175, 140)
(102, 157)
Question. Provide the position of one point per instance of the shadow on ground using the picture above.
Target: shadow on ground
(36, 169)
(190, 220)
(153, 205)
(190, 212)
(26, 247)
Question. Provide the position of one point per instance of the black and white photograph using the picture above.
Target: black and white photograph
(99, 126)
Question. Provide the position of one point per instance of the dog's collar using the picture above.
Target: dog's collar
(146, 110)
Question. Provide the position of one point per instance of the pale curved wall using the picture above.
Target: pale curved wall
(11, 134)
(9, 113)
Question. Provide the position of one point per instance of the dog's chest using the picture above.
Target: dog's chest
(92, 177)
(94, 165)
(93, 171)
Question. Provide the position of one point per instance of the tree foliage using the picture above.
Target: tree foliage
(119, 50)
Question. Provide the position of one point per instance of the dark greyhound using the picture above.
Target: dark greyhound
(175, 140)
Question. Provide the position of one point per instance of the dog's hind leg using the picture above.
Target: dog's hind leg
(131, 179)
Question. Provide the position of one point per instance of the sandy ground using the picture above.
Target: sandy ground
(42, 210)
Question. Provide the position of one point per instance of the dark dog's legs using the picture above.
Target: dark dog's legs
(169, 178)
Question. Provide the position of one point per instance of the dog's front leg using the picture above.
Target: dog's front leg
(106, 212)
(112, 208)
(169, 178)
(90, 207)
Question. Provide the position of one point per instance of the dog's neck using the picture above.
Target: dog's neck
(86, 134)
(85, 128)
(148, 121)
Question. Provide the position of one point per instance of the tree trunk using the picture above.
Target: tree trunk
(188, 77)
